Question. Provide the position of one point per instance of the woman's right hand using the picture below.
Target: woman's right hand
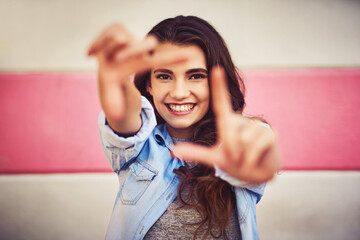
(120, 54)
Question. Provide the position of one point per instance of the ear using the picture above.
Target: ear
(148, 87)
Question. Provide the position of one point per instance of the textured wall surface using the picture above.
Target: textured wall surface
(55, 118)
(265, 37)
(54, 35)
(306, 205)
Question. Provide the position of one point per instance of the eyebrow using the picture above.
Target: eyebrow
(193, 70)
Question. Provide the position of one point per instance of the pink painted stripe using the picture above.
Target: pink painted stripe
(49, 121)
(49, 124)
(315, 113)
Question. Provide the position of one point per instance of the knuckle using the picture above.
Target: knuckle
(152, 40)
(266, 141)
(120, 40)
(246, 139)
(269, 137)
(117, 25)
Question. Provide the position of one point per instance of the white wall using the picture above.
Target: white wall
(56, 206)
(52, 35)
(296, 205)
(311, 205)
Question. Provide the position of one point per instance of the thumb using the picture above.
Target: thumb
(196, 153)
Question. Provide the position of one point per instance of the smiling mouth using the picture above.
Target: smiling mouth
(180, 107)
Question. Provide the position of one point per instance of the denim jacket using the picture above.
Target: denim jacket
(148, 185)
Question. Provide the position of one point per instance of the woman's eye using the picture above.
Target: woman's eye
(163, 77)
(197, 76)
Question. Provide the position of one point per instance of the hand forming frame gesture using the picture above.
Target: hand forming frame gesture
(245, 149)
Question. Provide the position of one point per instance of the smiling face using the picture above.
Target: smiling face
(181, 92)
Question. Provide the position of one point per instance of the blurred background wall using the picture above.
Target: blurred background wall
(300, 61)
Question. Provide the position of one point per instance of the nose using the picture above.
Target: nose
(179, 90)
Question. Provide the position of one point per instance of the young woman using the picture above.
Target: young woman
(189, 164)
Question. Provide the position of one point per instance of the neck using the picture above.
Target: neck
(184, 133)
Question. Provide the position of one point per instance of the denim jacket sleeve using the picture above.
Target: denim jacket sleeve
(256, 189)
(120, 150)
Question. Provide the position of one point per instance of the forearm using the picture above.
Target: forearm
(119, 98)
(121, 103)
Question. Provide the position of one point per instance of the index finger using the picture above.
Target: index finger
(197, 153)
(147, 62)
(106, 35)
(145, 46)
(221, 101)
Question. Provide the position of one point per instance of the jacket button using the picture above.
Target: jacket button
(167, 198)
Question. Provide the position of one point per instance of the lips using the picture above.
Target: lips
(180, 107)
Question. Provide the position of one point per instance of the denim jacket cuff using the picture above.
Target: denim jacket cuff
(257, 188)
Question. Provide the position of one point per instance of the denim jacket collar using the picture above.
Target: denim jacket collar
(163, 137)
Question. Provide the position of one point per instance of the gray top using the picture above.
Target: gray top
(173, 224)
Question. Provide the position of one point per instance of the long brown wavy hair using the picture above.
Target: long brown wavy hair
(212, 197)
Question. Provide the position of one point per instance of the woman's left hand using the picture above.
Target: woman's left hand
(245, 149)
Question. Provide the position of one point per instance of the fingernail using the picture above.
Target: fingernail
(173, 155)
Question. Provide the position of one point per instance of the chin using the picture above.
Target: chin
(180, 126)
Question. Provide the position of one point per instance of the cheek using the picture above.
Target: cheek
(204, 93)
(158, 92)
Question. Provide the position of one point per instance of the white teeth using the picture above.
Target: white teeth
(181, 108)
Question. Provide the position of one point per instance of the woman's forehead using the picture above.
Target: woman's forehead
(196, 56)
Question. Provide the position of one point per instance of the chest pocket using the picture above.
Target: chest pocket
(140, 176)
